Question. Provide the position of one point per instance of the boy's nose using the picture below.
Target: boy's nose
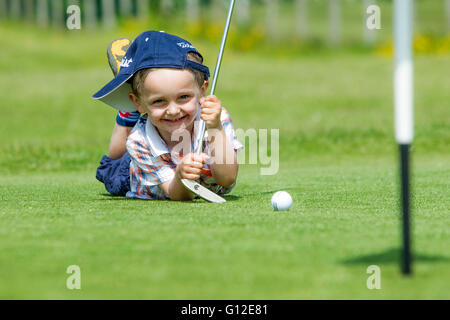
(173, 109)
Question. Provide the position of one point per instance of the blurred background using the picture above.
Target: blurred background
(309, 67)
(292, 24)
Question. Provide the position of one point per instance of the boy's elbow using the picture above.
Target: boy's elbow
(229, 179)
(188, 196)
(175, 192)
(226, 181)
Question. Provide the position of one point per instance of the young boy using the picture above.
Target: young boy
(163, 78)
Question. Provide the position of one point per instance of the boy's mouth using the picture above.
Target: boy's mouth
(176, 120)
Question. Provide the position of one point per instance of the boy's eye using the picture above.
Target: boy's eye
(157, 101)
(184, 97)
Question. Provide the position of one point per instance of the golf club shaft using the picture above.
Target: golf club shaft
(202, 125)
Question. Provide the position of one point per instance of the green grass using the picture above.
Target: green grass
(338, 161)
(344, 218)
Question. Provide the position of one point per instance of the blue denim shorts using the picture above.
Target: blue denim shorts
(115, 174)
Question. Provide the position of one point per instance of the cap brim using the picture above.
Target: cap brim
(115, 93)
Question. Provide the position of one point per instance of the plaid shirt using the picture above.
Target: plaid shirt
(152, 163)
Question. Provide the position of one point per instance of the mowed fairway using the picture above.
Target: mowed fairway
(337, 160)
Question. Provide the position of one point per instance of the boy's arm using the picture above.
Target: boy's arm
(224, 167)
(125, 121)
(175, 190)
(117, 144)
(189, 168)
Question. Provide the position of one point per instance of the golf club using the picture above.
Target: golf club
(193, 185)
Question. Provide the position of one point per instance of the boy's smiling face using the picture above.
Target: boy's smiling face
(170, 97)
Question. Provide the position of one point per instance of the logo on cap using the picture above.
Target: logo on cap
(185, 45)
(126, 62)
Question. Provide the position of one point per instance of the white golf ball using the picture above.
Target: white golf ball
(281, 200)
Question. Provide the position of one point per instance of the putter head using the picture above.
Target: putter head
(115, 52)
(201, 191)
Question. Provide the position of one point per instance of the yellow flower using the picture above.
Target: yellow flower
(423, 44)
(194, 29)
(213, 31)
(443, 46)
(386, 49)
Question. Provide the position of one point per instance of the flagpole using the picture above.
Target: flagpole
(403, 99)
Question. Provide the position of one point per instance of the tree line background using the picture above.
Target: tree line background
(313, 23)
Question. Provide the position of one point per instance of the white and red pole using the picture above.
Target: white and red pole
(404, 121)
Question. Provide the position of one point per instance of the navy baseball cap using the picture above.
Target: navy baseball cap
(151, 49)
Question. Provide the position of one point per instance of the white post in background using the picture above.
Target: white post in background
(109, 14)
(192, 11)
(301, 13)
(167, 6)
(126, 7)
(90, 14)
(243, 11)
(69, 3)
(447, 15)
(57, 13)
(3, 10)
(28, 10)
(272, 19)
(369, 35)
(142, 9)
(14, 9)
(403, 71)
(403, 99)
(217, 9)
(42, 13)
(334, 17)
